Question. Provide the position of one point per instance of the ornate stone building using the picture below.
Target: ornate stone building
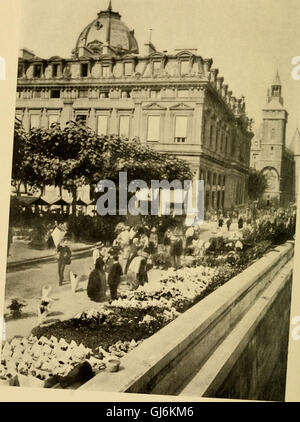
(174, 102)
(269, 153)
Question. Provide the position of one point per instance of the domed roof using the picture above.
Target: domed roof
(107, 29)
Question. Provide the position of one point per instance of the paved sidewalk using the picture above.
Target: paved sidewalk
(66, 303)
(21, 250)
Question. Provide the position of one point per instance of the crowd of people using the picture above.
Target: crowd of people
(131, 254)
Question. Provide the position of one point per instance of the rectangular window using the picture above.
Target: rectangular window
(156, 66)
(125, 94)
(20, 71)
(184, 67)
(154, 94)
(81, 118)
(105, 71)
(53, 118)
(37, 93)
(102, 125)
(128, 69)
(209, 178)
(153, 128)
(83, 93)
(37, 71)
(55, 70)
(104, 94)
(180, 129)
(124, 126)
(55, 93)
(34, 120)
(84, 70)
(183, 93)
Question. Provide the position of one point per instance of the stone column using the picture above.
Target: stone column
(44, 118)
(92, 123)
(26, 120)
(114, 129)
(67, 112)
(136, 120)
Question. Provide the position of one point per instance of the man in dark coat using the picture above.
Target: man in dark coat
(114, 278)
(63, 259)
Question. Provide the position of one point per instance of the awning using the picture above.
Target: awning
(41, 201)
(81, 202)
(28, 201)
(60, 201)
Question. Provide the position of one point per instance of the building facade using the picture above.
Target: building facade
(175, 102)
(269, 153)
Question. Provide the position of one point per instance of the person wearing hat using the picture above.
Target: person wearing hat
(63, 259)
(97, 251)
(96, 288)
(114, 277)
(176, 249)
(153, 240)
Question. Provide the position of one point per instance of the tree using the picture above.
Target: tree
(76, 156)
(18, 165)
(257, 184)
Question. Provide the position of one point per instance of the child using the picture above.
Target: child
(45, 302)
(114, 277)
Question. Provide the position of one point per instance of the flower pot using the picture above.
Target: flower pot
(113, 365)
(74, 281)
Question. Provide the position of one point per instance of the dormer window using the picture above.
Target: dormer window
(156, 66)
(128, 68)
(84, 70)
(55, 70)
(20, 71)
(37, 70)
(184, 67)
(105, 71)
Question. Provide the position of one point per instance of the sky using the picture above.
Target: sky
(248, 40)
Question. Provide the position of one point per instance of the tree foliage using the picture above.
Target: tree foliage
(76, 156)
(257, 184)
(18, 165)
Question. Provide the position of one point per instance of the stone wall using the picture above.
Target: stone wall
(208, 351)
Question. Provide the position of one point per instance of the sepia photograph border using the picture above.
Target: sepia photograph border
(10, 18)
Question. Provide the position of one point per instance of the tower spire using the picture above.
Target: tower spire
(277, 81)
(109, 6)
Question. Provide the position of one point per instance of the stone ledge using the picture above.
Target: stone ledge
(213, 373)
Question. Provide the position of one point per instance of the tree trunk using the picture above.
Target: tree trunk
(74, 198)
(61, 207)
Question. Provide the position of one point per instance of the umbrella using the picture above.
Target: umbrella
(41, 201)
(27, 200)
(81, 202)
(59, 201)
